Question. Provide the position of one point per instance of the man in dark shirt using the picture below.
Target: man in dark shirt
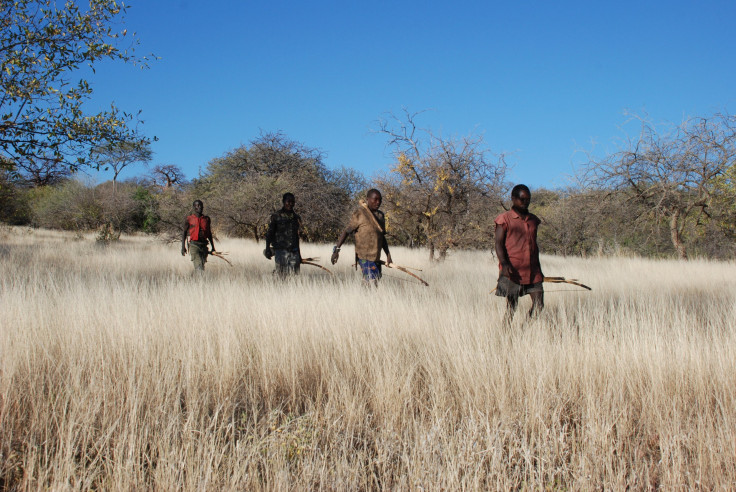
(282, 238)
(518, 255)
(197, 227)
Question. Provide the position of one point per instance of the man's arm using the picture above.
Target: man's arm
(340, 240)
(209, 236)
(184, 238)
(385, 250)
(506, 267)
(298, 233)
(351, 228)
(270, 233)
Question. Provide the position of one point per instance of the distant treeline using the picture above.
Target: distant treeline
(661, 194)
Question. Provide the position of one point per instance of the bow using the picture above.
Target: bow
(563, 280)
(221, 256)
(308, 261)
(559, 280)
(403, 269)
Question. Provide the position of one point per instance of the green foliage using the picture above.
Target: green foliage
(120, 206)
(14, 203)
(171, 206)
(69, 206)
(42, 47)
(723, 211)
(145, 217)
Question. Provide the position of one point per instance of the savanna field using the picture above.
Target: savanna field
(119, 370)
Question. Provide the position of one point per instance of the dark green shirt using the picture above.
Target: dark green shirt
(283, 230)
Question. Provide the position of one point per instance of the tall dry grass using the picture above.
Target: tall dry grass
(120, 371)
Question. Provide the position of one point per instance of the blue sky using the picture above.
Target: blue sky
(539, 80)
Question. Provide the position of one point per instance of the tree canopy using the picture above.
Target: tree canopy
(45, 47)
(245, 186)
(677, 173)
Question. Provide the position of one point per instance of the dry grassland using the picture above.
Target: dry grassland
(120, 371)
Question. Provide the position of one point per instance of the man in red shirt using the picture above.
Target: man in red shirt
(518, 254)
(197, 227)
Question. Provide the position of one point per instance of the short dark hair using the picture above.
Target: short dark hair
(197, 201)
(518, 189)
(287, 195)
(372, 192)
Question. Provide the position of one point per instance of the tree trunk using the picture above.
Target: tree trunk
(431, 251)
(255, 232)
(676, 235)
(443, 254)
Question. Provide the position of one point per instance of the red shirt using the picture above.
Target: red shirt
(197, 225)
(521, 245)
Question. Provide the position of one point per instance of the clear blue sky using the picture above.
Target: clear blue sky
(538, 80)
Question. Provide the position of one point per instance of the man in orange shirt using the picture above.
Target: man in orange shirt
(197, 227)
(518, 254)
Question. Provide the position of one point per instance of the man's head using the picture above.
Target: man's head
(373, 199)
(288, 200)
(198, 207)
(521, 197)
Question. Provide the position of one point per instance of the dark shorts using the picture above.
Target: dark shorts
(370, 269)
(287, 262)
(508, 288)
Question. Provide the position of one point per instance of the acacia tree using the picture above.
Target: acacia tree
(119, 155)
(42, 46)
(440, 192)
(166, 176)
(676, 174)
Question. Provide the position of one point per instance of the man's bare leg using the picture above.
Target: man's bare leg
(511, 304)
(537, 304)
